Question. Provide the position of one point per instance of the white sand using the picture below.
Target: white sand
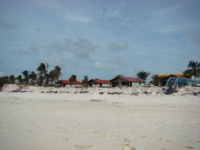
(66, 121)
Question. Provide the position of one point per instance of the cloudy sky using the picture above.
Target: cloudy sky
(99, 38)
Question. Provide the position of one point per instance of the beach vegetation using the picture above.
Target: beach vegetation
(40, 80)
(51, 77)
(43, 78)
(55, 74)
(84, 81)
(19, 79)
(155, 80)
(3, 80)
(193, 70)
(43, 71)
(25, 73)
(72, 79)
(143, 75)
(11, 79)
(32, 77)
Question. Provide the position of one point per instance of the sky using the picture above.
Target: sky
(99, 38)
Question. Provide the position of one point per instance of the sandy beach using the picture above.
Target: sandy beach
(121, 122)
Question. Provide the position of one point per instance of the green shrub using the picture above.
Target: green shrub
(2, 82)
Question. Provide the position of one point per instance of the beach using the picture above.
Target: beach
(74, 121)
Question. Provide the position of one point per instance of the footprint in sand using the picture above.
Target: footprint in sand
(105, 136)
(124, 140)
(167, 140)
(61, 130)
(124, 147)
(187, 147)
(60, 140)
(84, 146)
(9, 129)
(128, 148)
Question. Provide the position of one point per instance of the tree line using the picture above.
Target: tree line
(30, 77)
(43, 77)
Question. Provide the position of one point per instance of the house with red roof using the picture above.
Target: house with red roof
(121, 81)
(63, 83)
(99, 82)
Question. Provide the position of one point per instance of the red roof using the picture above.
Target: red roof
(100, 81)
(68, 82)
(130, 79)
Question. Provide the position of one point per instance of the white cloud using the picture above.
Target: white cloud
(195, 38)
(20, 52)
(79, 18)
(120, 61)
(52, 62)
(117, 46)
(82, 47)
(145, 53)
(131, 73)
(38, 30)
(115, 10)
(42, 3)
(97, 65)
(2, 74)
(8, 25)
(34, 49)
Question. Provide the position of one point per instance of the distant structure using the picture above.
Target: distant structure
(122, 81)
(99, 82)
(161, 79)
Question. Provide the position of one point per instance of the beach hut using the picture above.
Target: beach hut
(123, 81)
(99, 82)
(161, 79)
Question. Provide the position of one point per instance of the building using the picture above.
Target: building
(63, 83)
(122, 81)
(99, 82)
(161, 79)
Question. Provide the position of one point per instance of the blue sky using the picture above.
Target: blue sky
(99, 38)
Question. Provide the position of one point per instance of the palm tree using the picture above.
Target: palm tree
(43, 69)
(19, 78)
(155, 80)
(47, 79)
(51, 76)
(194, 70)
(25, 74)
(33, 77)
(57, 73)
(11, 79)
(3, 80)
(72, 79)
(143, 75)
(85, 80)
(6, 78)
(40, 80)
